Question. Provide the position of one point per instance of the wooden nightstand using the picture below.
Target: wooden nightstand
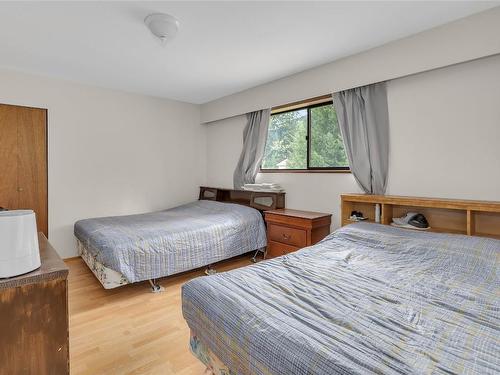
(290, 230)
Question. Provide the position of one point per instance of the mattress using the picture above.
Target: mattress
(157, 244)
(107, 277)
(369, 298)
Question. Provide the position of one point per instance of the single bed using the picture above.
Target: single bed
(369, 298)
(127, 249)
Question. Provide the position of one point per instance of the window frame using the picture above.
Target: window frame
(312, 103)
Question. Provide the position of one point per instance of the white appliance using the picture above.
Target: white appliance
(19, 252)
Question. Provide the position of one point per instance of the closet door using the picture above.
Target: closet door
(8, 157)
(25, 185)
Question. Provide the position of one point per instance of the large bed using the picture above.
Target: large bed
(127, 249)
(369, 298)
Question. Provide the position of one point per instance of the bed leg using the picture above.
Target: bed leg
(155, 287)
(262, 250)
(210, 271)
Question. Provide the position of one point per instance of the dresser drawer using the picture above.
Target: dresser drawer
(287, 235)
(276, 249)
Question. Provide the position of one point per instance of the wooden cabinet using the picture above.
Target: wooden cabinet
(34, 318)
(289, 230)
(23, 159)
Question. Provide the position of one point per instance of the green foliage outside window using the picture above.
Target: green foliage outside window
(287, 141)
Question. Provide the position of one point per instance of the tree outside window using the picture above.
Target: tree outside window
(305, 139)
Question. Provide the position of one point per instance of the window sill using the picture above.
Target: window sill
(304, 171)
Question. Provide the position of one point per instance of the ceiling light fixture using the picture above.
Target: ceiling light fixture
(163, 26)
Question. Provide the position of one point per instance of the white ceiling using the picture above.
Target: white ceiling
(221, 47)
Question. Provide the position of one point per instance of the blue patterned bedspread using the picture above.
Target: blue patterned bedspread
(163, 243)
(368, 299)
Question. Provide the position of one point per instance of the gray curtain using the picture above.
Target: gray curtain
(363, 119)
(254, 143)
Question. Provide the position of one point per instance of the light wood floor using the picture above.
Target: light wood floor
(129, 330)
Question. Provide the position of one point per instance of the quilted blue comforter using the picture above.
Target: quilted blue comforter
(163, 243)
(367, 299)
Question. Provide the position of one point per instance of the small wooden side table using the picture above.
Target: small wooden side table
(289, 230)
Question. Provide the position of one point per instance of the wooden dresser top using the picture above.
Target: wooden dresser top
(52, 267)
(309, 215)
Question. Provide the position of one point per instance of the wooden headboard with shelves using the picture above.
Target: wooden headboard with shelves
(261, 201)
(470, 217)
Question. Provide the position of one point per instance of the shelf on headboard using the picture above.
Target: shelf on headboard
(259, 200)
(471, 217)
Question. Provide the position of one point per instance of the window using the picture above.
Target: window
(303, 139)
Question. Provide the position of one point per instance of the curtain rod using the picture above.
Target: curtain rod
(300, 103)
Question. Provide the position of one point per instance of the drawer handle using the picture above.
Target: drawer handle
(286, 237)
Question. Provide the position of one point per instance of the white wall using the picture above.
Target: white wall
(110, 153)
(444, 140)
(459, 41)
(445, 132)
